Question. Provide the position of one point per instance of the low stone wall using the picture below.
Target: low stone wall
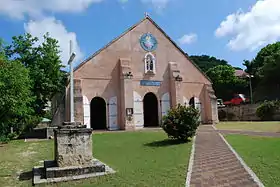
(242, 113)
(39, 133)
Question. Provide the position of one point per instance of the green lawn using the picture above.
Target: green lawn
(264, 126)
(261, 154)
(140, 159)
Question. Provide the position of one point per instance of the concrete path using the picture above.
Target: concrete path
(213, 162)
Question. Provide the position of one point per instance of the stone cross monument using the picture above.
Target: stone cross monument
(72, 156)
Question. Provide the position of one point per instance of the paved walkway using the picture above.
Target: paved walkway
(215, 164)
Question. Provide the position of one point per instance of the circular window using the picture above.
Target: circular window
(148, 42)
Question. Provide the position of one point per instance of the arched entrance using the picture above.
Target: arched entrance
(150, 103)
(195, 103)
(98, 114)
(192, 102)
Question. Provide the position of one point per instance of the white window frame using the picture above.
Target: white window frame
(147, 70)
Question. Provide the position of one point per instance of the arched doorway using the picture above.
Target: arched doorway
(192, 102)
(98, 114)
(150, 103)
(195, 103)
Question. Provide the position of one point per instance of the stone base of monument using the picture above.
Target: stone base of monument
(50, 173)
(73, 157)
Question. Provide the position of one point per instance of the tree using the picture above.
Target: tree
(30, 75)
(269, 78)
(225, 83)
(260, 60)
(43, 63)
(265, 69)
(15, 96)
(249, 66)
(205, 62)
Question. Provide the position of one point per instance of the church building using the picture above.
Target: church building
(133, 81)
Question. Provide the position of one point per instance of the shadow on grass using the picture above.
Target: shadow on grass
(166, 142)
(24, 176)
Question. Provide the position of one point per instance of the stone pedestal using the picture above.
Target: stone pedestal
(73, 146)
(73, 157)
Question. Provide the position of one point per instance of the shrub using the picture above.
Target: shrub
(267, 109)
(4, 139)
(222, 114)
(181, 122)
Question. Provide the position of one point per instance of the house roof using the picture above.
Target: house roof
(131, 28)
(240, 73)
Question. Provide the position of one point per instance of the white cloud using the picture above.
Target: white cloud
(158, 4)
(188, 39)
(58, 31)
(253, 29)
(35, 8)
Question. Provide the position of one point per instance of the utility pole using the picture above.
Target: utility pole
(251, 90)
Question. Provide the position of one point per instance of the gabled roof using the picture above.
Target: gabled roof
(240, 73)
(131, 28)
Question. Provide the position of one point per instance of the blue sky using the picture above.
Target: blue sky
(227, 29)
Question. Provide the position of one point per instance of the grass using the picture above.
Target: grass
(140, 159)
(261, 154)
(265, 126)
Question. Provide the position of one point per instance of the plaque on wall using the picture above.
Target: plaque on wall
(150, 83)
(129, 111)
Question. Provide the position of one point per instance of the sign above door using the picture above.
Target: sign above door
(150, 83)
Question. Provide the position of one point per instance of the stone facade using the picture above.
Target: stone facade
(243, 113)
(119, 74)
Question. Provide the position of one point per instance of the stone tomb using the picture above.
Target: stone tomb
(73, 157)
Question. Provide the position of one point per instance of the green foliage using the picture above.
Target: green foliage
(237, 68)
(265, 68)
(181, 122)
(4, 139)
(269, 78)
(48, 114)
(15, 96)
(205, 62)
(266, 52)
(225, 83)
(249, 67)
(267, 109)
(30, 76)
(43, 63)
(222, 75)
